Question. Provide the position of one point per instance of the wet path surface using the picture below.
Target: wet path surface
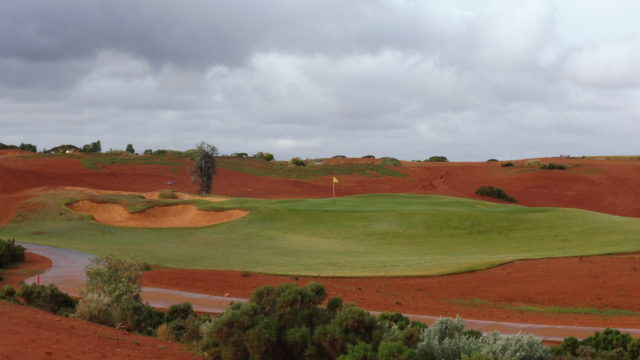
(67, 272)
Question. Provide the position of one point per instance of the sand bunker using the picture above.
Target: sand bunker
(183, 215)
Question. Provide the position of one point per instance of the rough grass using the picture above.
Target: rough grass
(351, 236)
(547, 309)
(98, 161)
(282, 169)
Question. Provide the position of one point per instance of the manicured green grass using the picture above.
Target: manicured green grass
(282, 169)
(548, 309)
(352, 236)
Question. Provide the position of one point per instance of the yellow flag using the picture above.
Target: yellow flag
(335, 180)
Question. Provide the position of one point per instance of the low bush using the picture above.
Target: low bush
(10, 252)
(8, 293)
(553, 166)
(296, 161)
(48, 298)
(368, 157)
(263, 156)
(609, 344)
(494, 192)
(241, 155)
(167, 195)
(438, 158)
(390, 161)
(492, 160)
(507, 164)
(338, 157)
(134, 316)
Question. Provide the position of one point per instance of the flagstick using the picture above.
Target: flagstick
(333, 183)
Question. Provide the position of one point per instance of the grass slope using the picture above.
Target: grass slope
(351, 236)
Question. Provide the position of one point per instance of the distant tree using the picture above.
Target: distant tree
(130, 149)
(296, 161)
(438, 159)
(240, 155)
(264, 156)
(148, 152)
(94, 147)
(205, 167)
(5, 146)
(28, 147)
(339, 157)
(368, 157)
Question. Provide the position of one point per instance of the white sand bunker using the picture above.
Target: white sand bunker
(182, 215)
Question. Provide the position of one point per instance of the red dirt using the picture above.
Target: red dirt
(33, 264)
(604, 282)
(609, 186)
(28, 333)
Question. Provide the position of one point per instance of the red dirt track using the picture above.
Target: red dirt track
(604, 282)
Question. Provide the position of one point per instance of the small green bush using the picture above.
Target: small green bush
(10, 252)
(338, 157)
(494, 192)
(492, 160)
(507, 164)
(134, 316)
(296, 161)
(8, 293)
(390, 161)
(48, 298)
(553, 166)
(167, 195)
(368, 157)
(241, 155)
(263, 156)
(438, 158)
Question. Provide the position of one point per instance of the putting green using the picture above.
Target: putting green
(352, 236)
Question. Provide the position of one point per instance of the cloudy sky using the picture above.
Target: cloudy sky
(468, 79)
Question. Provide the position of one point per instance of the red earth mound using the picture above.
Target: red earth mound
(602, 282)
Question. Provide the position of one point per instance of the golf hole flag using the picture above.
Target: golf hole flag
(333, 186)
(335, 180)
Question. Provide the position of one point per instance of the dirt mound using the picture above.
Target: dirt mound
(183, 215)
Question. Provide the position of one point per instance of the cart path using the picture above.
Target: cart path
(67, 273)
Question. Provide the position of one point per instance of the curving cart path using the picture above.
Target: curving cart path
(67, 273)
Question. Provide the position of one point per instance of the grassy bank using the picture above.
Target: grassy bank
(352, 236)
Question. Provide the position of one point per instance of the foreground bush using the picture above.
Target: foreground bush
(48, 298)
(609, 344)
(494, 192)
(10, 252)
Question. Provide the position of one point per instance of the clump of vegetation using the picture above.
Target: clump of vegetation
(390, 161)
(296, 161)
(438, 158)
(94, 147)
(10, 252)
(338, 157)
(492, 160)
(609, 344)
(264, 156)
(507, 164)
(533, 163)
(62, 149)
(494, 192)
(368, 157)
(553, 166)
(48, 298)
(8, 293)
(147, 152)
(129, 149)
(167, 195)
(240, 155)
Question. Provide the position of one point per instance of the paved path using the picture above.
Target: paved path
(67, 272)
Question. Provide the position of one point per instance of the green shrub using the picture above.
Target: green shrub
(438, 158)
(47, 298)
(338, 157)
(148, 152)
(494, 192)
(134, 316)
(390, 161)
(28, 147)
(507, 164)
(97, 308)
(263, 156)
(296, 161)
(8, 293)
(553, 166)
(114, 278)
(241, 155)
(10, 252)
(167, 195)
(368, 157)
(492, 160)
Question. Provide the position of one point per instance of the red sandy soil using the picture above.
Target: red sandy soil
(603, 282)
(33, 264)
(609, 186)
(29, 333)
(183, 215)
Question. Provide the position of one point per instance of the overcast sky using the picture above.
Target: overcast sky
(467, 79)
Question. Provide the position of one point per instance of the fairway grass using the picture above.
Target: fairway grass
(367, 235)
